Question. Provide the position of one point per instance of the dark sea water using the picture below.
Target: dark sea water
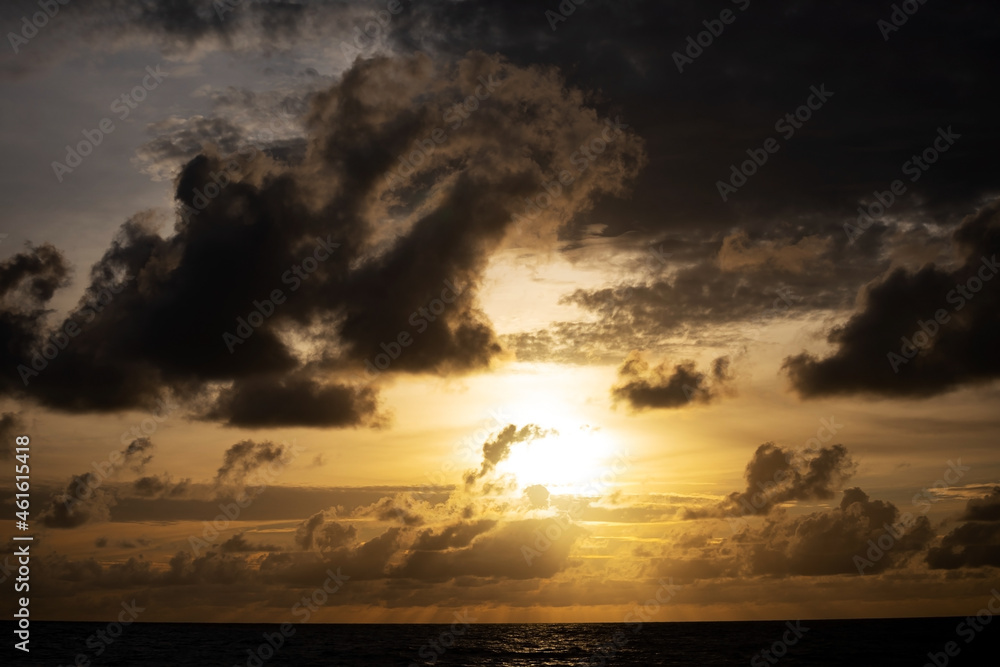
(854, 642)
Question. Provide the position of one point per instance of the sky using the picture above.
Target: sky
(522, 310)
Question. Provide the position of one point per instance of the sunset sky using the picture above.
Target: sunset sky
(520, 309)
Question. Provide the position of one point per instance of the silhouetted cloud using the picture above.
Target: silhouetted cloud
(975, 543)
(246, 461)
(239, 544)
(643, 387)
(89, 497)
(777, 475)
(919, 333)
(160, 486)
(284, 283)
(497, 449)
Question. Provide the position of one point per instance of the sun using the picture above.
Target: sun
(571, 460)
(575, 455)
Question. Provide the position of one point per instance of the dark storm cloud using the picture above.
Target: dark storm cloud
(361, 249)
(277, 401)
(975, 543)
(918, 333)
(889, 99)
(643, 387)
(703, 120)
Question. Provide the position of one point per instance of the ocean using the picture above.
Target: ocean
(914, 642)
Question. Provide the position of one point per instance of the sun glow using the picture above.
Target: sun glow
(574, 460)
(577, 454)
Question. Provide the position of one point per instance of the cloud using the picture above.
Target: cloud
(138, 454)
(181, 29)
(537, 495)
(920, 333)
(829, 542)
(453, 536)
(27, 281)
(498, 448)
(363, 248)
(259, 403)
(778, 475)
(497, 553)
(247, 462)
(322, 533)
(160, 486)
(83, 501)
(740, 253)
(87, 497)
(975, 543)
(239, 544)
(642, 387)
